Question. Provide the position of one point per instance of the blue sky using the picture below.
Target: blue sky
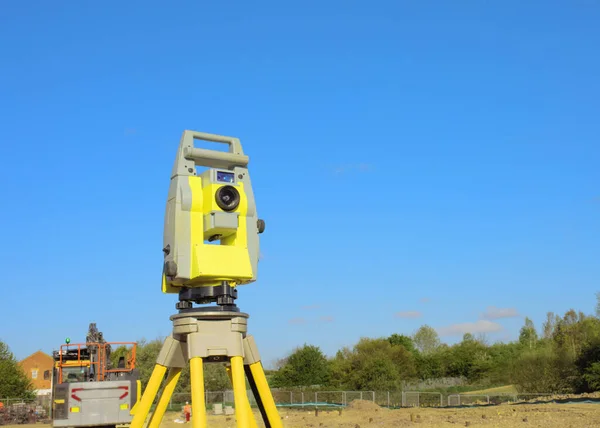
(416, 162)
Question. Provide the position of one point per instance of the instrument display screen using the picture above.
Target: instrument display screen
(225, 177)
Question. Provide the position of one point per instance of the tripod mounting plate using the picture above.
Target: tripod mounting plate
(200, 314)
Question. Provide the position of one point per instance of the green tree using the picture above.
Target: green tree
(340, 367)
(373, 364)
(146, 355)
(549, 325)
(502, 356)
(306, 366)
(402, 340)
(470, 359)
(591, 376)
(13, 380)
(542, 370)
(215, 377)
(574, 331)
(120, 351)
(588, 361)
(468, 338)
(426, 340)
(528, 335)
(433, 365)
(565, 360)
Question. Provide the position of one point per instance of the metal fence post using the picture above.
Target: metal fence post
(388, 398)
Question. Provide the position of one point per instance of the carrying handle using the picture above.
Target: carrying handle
(188, 155)
(235, 146)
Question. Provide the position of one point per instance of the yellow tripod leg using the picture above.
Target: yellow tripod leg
(165, 396)
(198, 400)
(264, 392)
(246, 402)
(143, 406)
(240, 396)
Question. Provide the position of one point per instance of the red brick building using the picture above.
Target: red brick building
(38, 368)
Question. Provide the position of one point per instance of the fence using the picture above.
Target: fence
(422, 399)
(455, 400)
(390, 399)
(20, 411)
(281, 398)
(468, 399)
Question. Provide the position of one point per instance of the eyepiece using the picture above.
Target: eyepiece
(227, 198)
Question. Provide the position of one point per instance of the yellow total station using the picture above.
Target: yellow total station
(211, 246)
(211, 224)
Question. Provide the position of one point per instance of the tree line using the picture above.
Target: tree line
(563, 356)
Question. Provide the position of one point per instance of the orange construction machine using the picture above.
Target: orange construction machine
(94, 383)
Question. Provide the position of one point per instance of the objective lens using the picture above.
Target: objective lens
(227, 198)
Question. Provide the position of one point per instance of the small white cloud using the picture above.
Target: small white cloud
(297, 321)
(481, 326)
(310, 307)
(326, 318)
(424, 300)
(408, 314)
(494, 313)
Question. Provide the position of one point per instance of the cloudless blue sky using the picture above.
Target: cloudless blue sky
(415, 162)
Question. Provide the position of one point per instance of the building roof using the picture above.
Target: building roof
(41, 353)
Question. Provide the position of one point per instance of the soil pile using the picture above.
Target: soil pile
(363, 405)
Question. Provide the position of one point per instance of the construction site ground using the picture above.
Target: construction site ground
(365, 414)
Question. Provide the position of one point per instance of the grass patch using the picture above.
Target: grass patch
(506, 389)
(475, 389)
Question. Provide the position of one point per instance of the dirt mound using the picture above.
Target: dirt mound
(363, 405)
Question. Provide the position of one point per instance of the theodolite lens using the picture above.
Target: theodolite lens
(228, 198)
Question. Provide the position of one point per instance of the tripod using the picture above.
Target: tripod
(208, 334)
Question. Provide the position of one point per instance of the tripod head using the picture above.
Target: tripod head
(210, 242)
